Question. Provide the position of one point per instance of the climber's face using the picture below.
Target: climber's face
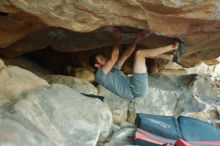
(101, 60)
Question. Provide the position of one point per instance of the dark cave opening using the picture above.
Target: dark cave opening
(4, 14)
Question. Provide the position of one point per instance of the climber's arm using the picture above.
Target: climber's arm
(114, 54)
(127, 53)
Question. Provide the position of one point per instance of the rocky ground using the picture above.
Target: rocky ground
(49, 110)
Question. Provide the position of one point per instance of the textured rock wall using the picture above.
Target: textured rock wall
(34, 112)
(25, 25)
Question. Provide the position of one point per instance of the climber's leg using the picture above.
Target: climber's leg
(139, 80)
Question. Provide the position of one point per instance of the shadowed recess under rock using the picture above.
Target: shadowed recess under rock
(64, 40)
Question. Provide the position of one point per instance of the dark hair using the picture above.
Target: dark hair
(93, 61)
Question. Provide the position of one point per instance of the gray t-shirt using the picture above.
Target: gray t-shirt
(115, 81)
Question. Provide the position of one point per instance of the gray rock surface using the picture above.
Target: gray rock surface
(2, 65)
(79, 85)
(157, 102)
(117, 105)
(57, 115)
(206, 89)
(48, 115)
(202, 68)
(60, 116)
(122, 137)
(15, 81)
(190, 95)
(4, 102)
(18, 131)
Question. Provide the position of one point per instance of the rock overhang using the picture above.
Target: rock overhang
(74, 25)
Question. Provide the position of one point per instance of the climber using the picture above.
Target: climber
(108, 71)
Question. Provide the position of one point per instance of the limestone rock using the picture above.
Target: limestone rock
(61, 115)
(159, 102)
(48, 115)
(4, 101)
(174, 68)
(122, 137)
(207, 89)
(190, 95)
(117, 105)
(198, 97)
(202, 68)
(18, 131)
(82, 74)
(78, 85)
(2, 65)
(79, 14)
(15, 81)
(32, 25)
(17, 25)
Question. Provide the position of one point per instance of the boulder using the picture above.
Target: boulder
(78, 85)
(15, 81)
(82, 74)
(88, 15)
(117, 105)
(210, 67)
(17, 131)
(157, 102)
(171, 95)
(30, 25)
(190, 95)
(56, 115)
(206, 89)
(122, 137)
(17, 25)
(4, 102)
(203, 68)
(2, 65)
